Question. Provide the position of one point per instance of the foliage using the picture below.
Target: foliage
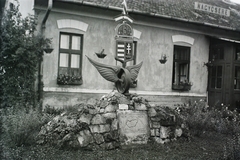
(232, 148)
(20, 52)
(66, 109)
(21, 125)
(200, 118)
(52, 111)
(199, 149)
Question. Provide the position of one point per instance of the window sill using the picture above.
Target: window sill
(181, 87)
(69, 83)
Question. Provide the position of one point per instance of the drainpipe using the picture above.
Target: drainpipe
(40, 70)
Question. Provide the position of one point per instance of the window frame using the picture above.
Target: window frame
(183, 59)
(67, 79)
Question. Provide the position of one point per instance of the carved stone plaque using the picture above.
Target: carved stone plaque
(133, 127)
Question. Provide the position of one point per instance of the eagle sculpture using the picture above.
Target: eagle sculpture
(122, 77)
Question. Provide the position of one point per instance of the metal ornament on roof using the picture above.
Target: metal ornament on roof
(124, 76)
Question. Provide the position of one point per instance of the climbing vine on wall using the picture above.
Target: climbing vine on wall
(21, 49)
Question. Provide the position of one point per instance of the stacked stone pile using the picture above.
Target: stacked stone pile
(165, 124)
(95, 125)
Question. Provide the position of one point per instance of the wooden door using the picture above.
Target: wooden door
(236, 78)
(220, 77)
(224, 74)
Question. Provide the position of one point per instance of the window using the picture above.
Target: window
(237, 78)
(237, 54)
(70, 58)
(181, 63)
(216, 77)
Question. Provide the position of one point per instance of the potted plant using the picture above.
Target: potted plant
(183, 85)
(163, 59)
(67, 79)
(101, 54)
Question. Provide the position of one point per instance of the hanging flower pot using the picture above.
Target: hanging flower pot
(101, 54)
(163, 59)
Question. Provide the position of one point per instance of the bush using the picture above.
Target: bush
(200, 118)
(21, 125)
(21, 50)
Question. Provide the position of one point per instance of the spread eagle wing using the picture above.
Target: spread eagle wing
(134, 70)
(107, 72)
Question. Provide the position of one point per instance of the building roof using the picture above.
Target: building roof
(215, 13)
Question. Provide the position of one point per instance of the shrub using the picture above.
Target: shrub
(200, 118)
(52, 111)
(21, 125)
(20, 51)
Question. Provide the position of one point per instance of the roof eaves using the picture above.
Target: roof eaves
(114, 8)
(180, 19)
(163, 16)
(218, 26)
(137, 11)
(94, 4)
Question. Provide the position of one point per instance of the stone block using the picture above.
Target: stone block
(156, 125)
(156, 119)
(124, 100)
(109, 115)
(92, 111)
(111, 108)
(152, 132)
(92, 101)
(94, 128)
(151, 112)
(69, 121)
(104, 128)
(85, 118)
(158, 140)
(165, 132)
(98, 119)
(98, 138)
(111, 145)
(157, 132)
(133, 127)
(85, 138)
(56, 119)
(111, 136)
(140, 106)
(150, 123)
(178, 132)
(102, 110)
(99, 128)
(103, 103)
(114, 125)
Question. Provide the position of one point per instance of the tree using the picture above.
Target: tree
(21, 50)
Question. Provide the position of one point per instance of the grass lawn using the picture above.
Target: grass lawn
(208, 146)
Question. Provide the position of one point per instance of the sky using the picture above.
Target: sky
(26, 7)
(236, 1)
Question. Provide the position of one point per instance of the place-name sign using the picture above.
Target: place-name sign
(212, 9)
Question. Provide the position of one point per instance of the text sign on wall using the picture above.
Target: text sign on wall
(212, 9)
